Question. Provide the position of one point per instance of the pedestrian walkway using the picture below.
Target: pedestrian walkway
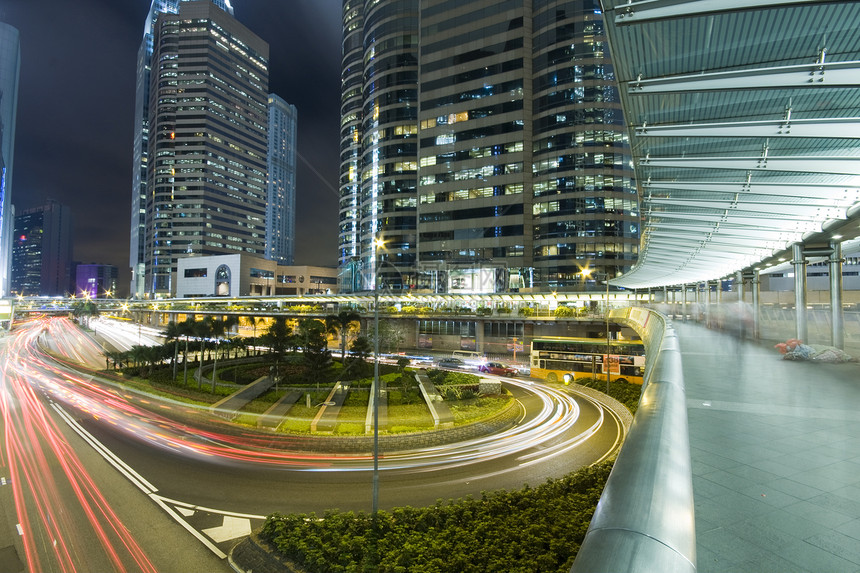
(776, 457)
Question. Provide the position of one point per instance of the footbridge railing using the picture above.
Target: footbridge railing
(644, 521)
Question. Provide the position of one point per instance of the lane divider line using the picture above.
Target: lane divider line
(138, 480)
(200, 537)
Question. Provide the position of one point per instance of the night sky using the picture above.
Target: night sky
(76, 113)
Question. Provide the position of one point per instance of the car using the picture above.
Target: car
(451, 362)
(497, 368)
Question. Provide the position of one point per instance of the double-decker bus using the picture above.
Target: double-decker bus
(568, 359)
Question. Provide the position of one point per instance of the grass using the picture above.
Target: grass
(407, 412)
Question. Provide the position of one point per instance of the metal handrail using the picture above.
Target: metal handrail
(645, 521)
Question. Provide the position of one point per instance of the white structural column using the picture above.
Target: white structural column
(801, 330)
(684, 302)
(837, 324)
(739, 285)
(756, 303)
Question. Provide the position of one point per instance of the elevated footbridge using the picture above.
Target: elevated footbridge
(743, 124)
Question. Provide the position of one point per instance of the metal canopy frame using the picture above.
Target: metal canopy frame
(744, 129)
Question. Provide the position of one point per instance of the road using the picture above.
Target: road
(216, 481)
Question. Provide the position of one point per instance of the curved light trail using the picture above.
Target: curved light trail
(168, 424)
(551, 425)
(43, 470)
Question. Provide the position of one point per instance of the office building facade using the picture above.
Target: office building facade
(96, 280)
(42, 251)
(141, 140)
(10, 67)
(281, 205)
(207, 142)
(483, 143)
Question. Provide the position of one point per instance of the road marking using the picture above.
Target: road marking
(214, 549)
(138, 480)
(232, 528)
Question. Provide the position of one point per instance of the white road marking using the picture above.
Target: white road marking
(232, 528)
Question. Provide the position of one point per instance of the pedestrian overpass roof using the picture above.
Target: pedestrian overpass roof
(744, 122)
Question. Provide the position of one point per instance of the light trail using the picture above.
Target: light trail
(176, 427)
(44, 468)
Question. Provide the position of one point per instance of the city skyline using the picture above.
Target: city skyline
(58, 114)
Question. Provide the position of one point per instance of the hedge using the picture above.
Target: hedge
(533, 529)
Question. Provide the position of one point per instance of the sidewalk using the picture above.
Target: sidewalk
(776, 457)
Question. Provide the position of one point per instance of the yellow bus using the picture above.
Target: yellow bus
(568, 359)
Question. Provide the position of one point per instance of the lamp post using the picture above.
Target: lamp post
(377, 243)
(587, 272)
(608, 366)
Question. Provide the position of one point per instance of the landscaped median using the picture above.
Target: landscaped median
(533, 529)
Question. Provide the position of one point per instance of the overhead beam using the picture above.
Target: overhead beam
(839, 128)
(646, 10)
(813, 75)
(776, 188)
(808, 210)
(784, 224)
(801, 164)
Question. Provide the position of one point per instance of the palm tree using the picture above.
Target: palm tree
(340, 324)
(172, 333)
(202, 330)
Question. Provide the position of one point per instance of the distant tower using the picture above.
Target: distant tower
(281, 209)
(96, 281)
(42, 252)
(10, 66)
(141, 139)
(206, 174)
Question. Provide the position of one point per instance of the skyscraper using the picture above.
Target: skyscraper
(141, 139)
(281, 206)
(42, 251)
(10, 66)
(208, 114)
(483, 142)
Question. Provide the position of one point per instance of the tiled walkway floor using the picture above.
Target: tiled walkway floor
(776, 457)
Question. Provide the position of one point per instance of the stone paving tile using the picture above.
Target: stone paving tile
(769, 496)
(789, 523)
(753, 474)
(796, 489)
(770, 564)
(851, 529)
(837, 503)
(707, 489)
(729, 547)
(817, 559)
(822, 516)
(838, 544)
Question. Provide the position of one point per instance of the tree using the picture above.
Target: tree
(85, 309)
(359, 351)
(340, 323)
(277, 338)
(390, 336)
(312, 333)
(202, 330)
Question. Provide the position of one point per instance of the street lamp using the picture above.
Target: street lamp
(377, 244)
(586, 272)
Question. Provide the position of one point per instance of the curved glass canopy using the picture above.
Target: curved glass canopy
(744, 120)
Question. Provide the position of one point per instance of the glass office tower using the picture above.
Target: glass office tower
(483, 142)
(141, 139)
(208, 145)
(10, 68)
(281, 206)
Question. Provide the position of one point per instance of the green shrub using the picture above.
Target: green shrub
(565, 312)
(533, 529)
(625, 392)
